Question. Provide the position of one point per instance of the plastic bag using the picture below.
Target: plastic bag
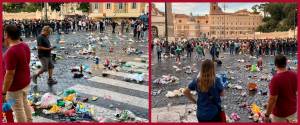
(254, 68)
(47, 100)
(223, 78)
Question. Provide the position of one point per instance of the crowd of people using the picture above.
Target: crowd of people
(253, 47)
(32, 28)
(282, 102)
(16, 54)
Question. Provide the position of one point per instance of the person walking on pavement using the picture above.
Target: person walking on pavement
(213, 51)
(158, 50)
(200, 51)
(17, 73)
(113, 24)
(44, 54)
(189, 50)
(122, 26)
(282, 101)
(231, 47)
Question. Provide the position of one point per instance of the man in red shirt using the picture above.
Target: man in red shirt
(283, 93)
(17, 73)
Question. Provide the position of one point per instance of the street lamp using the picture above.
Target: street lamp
(224, 21)
(166, 22)
(46, 9)
(295, 23)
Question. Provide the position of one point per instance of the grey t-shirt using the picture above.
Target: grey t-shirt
(44, 42)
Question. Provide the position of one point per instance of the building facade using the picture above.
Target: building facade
(230, 25)
(70, 9)
(216, 24)
(117, 10)
(66, 9)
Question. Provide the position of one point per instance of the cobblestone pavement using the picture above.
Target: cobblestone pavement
(232, 98)
(122, 95)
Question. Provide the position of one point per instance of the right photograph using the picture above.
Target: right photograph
(224, 62)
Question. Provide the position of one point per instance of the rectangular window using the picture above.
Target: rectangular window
(96, 6)
(179, 27)
(120, 6)
(133, 6)
(108, 6)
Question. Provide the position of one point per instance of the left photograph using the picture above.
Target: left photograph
(75, 62)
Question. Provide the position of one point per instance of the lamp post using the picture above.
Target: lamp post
(166, 22)
(46, 9)
(295, 23)
(224, 21)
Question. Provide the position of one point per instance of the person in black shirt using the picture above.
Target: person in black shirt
(189, 50)
(273, 48)
(114, 24)
(44, 53)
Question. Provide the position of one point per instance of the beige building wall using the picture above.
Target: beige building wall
(233, 25)
(66, 9)
(215, 24)
(116, 10)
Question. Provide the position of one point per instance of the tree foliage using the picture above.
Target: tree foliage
(55, 6)
(84, 7)
(21, 7)
(277, 16)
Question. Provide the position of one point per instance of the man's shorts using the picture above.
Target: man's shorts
(46, 63)
(291, 119)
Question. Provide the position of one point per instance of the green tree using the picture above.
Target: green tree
(255, 8)
(280, 16)
(84, 7)
(55, 6)
(32, 7)
(13, 7)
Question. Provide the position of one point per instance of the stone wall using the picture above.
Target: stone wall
(32, 15)
(260, 35)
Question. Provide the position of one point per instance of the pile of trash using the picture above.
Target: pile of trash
(241, 60)
(235, 86)
(78, 71)
(138, 77)
(234, 116)
(124, 116)
(176, 68)
(166, 79)
(89, 51)
(223, 78)
(133, 51)
(177, 93)
(74, 107)
(68, 105)
(256, 114)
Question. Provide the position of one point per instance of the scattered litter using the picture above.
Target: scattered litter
(47, 100)
(177, 93)
(252, 86)
(241, 60)
(166, 79)
(235, 116)
(94, 98)
(235, 86)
